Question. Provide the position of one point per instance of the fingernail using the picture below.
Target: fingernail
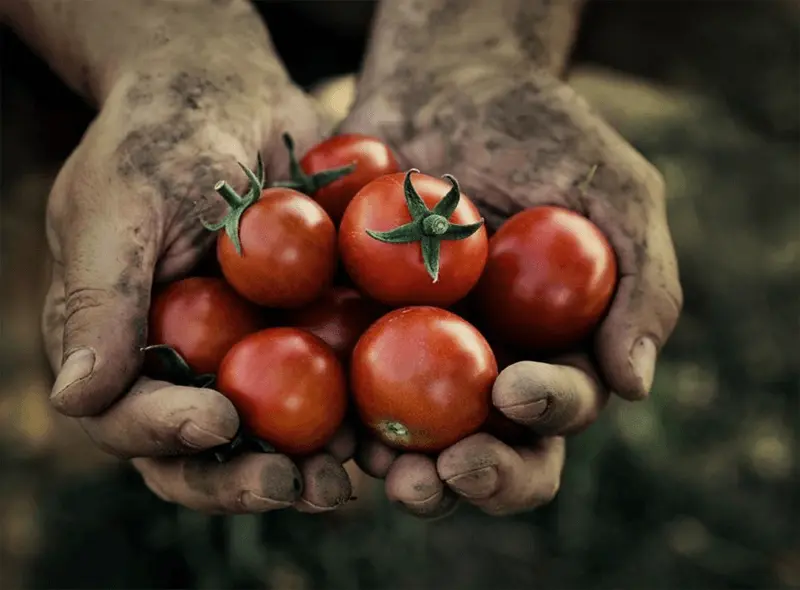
(526, 412)
(643, 362)
(475, 485)
(253, 502)
(79, 365)
(196, 437)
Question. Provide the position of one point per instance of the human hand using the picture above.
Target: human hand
(124, 212)
(515, 138)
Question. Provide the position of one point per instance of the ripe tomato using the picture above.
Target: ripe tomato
(549, 279)
(422, 378)
(392, 245)
(287, 252)
(201, 318)
(338, 318)
(288, 386)
(333, 171)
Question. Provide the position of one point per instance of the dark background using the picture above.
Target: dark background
(698, 487)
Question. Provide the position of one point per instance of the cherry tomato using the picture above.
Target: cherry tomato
(338, 318)
(421, 378)
(288, 250)
(288, 386)
(549, 279)
(372, 158)
(201, 318)
(398, 273)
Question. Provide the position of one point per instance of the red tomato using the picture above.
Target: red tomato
(549, 279)
(288, 386)
(372, 158)
(395, 273)
(288, 250)
(338, 318)
(422, 378)
(201, 318)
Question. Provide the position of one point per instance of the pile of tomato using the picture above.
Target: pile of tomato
(355, 285)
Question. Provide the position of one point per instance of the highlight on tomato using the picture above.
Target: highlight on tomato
(338, 318)
(419, 242)
(288, 387)
(199, 318)
(278, 247)
(548, 281)
(421, 379)
(334, 170)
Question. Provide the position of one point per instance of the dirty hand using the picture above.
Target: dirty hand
(125, 212)
(516, 139)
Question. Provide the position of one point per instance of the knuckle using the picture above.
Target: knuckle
(80, 300)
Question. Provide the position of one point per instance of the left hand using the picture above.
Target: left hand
(516, 138)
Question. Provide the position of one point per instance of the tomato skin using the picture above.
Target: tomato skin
(427, 369)
(394, 274)
(288, 250)
(372, 158)
(201, 318)
(288, 387)
(549, 279)
(338, 318)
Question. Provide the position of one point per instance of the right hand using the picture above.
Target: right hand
(124, 212)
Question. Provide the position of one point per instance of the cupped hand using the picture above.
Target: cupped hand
(515, 138)
(125, 212)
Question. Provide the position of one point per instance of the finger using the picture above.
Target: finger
(109, 249)
(645, 309)
(160, 419)
(249, 483)
(501, 480)
(413, 482)
(342, 446)
(550, 399)
(53, 319)
(374, 458)
(326, 484)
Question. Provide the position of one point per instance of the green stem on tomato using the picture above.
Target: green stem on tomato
(429, 226)
(238, 204)
(176, 369)
(305, 183)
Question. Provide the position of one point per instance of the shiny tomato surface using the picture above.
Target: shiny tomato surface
(372, 158)
(288, 386)
(395, 274)
(421, 378)
(288, 254)
(201, 318)
(549, 279)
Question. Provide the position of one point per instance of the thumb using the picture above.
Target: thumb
(644, 313)
(108, 263)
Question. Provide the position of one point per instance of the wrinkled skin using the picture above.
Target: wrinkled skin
(517, 138)
(122, 214)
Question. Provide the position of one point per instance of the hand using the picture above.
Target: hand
(125, 211)
(515, 138)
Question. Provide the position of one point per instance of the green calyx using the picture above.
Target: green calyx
(238, 204)
(174, 368)
(305, 183)
(429, 227)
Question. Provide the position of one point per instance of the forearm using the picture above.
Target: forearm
(91, 43)
(444, 34)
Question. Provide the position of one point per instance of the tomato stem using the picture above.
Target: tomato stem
(429, 227)
(300, 181)
(238, 204)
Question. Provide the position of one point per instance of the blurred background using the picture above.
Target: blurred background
(699, 487)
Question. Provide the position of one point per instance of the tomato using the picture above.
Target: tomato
(333, 171)
(288, 386)
(549, 279)
(421, 378)
(338, 318)
(201, 318)
(287, 253)
(402, 259)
